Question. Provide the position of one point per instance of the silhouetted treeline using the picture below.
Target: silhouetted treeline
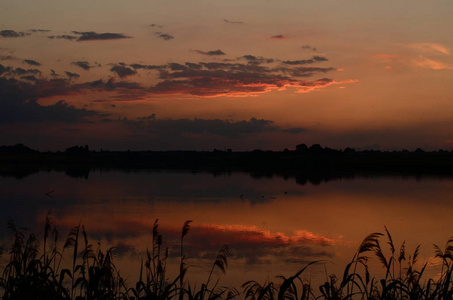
(314, 163)
(18, 148)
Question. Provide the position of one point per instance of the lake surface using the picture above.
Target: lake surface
(272, 225)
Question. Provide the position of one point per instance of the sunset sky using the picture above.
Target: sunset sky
(205, 74)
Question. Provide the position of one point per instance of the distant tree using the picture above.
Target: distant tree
(78, 150)
(18, 148)
(315, 148)
(349, 150)
(301, 148)
(330, 150)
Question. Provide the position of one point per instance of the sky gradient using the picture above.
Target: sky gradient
(199, 75)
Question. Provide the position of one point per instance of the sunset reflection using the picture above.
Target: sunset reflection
(270, 224)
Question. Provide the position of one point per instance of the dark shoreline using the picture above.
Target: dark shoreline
(316, 166)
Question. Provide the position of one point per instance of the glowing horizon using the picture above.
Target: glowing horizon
(349, 74)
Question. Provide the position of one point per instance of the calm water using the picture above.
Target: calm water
(272, 225)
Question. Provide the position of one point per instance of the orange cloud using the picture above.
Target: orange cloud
(319, 84)
(430, 48)
(253, 234)
(427, 63)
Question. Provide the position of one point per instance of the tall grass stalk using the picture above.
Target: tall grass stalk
(92, 273)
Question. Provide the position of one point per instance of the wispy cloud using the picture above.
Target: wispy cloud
(428, 63)
(233, 22)
(312, 60)
(148, 67)
(32, 62)
(123, 71)
(310, 86)
(430, 48)
(278, 37)
(30, 78)
(431, 56)
(308, 47)
(64, 36)
(12, 34)
(164, 36)
(72, 75)
(257, 60)
(82, 64)
(211, 53)
(39, 30)
(7, 57)
(11, 71)
(94, 36)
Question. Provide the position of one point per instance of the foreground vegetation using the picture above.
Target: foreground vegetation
(35, 273)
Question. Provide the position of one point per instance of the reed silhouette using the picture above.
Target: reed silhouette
(34, 273)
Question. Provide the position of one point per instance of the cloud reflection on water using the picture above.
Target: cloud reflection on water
(291, 225)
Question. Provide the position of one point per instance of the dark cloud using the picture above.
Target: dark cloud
(5, 70)
(94, 36)
(312, 60)
(232, 22)
(251, 59)
(155, 25)
(29, 78)
(12, 34)
(319, 58)
(148, 67)
(65, 86)
(164, 36)
(308, 47)
(123, 71)
(10, 71)
(177, 67)
(39, 30)
(20, 71)
(303, 71)
(53, 73)
(64, 36)
(248, 75)
(194, 66)
(211, 53)
(278, 37)
(7, 57)
(32, 62)
(235, 67)
(204, 79)
(110, 85)
(307, 71)
(72, 75)
(222, 78)
(218, 127)
(18, 103)
(82, 64)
